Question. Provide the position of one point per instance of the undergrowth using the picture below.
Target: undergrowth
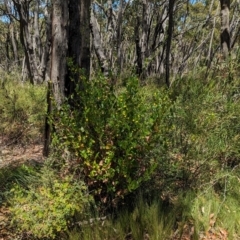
(46, 207)
(20, 175)
(178, 147)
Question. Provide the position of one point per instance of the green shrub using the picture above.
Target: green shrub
(202, 134)
(112, 134)
(47, 207)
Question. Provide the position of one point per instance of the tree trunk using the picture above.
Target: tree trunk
(70, 38)
(23, 9)
(59, 49)
(30, 38)
(58, 71)
(97, 42)
(14, 44)
(85, 36)
(45, 58)
(119, 37)
(74, 47)
(138, 49)
(79, 42)
(225, 29)
(169, 39)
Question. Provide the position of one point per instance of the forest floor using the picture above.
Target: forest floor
(18, 154)
(12, 155)
(15, 155)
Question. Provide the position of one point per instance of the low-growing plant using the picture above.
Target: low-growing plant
(10, 175)
(47, 206)
(210, 213)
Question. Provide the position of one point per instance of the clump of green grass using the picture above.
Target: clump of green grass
(146, 221)
(210, 212)
(10, 175)
(193, 214)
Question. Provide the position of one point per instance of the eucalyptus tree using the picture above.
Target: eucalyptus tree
(130, 34)
(150, 37)
(107, 33)
(149, 23)
(98, 45)
(59, 50)
(23, 10)
(9, 34)
(4, 46)
(169, 38)
(32, 20)
(190, 37)
(235, 23)
(70, 40)
(225, 27)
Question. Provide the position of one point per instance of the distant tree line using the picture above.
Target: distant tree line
(150, 38)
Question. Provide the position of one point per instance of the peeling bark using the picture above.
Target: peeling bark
(59, 50)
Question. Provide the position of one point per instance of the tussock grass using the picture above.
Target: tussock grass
(146, 221)
(20, 175)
